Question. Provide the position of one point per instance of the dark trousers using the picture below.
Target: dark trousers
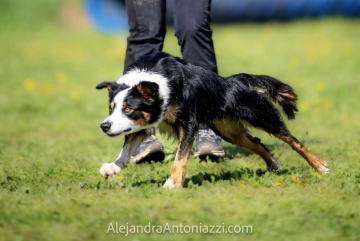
(192, 28)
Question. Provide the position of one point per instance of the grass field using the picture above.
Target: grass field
(51, 146)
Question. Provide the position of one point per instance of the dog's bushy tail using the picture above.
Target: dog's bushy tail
(274, 89)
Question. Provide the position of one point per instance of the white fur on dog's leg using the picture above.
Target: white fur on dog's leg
(324, 168)
(109, 169)
(169, 183)
(274, 165)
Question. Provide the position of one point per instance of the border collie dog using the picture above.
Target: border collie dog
(162, 91)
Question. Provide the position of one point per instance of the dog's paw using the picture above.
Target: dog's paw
(169, 183)
(274, 165)
(320, 165)
(109, 169)
(324, 168)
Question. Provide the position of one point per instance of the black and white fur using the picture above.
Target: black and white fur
(166, 92)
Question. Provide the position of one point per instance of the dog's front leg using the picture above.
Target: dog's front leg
(132, 142)
(186, 139)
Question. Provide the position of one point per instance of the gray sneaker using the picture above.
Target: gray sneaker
(208, 144)
(149, 150)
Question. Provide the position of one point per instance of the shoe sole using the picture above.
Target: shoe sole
(206, 152)
(148, 156)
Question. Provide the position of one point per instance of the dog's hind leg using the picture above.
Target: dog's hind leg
(313, 160)
(280, 131)
(236, 132)
(255, 146)
(186, 139)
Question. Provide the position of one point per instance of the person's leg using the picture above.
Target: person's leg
(147, 28)
(192, 28)
(147, 33)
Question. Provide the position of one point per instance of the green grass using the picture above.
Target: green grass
(51, 146)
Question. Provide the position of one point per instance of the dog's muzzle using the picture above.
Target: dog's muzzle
(105, 126)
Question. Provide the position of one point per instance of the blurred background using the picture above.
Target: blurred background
(110, 15)
(53, 53)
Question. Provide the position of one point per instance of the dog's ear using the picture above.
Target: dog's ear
(105, 84)
(148, 90)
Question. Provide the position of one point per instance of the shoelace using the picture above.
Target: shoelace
(207, 133)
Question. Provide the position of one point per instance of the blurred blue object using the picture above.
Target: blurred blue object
(109, 16)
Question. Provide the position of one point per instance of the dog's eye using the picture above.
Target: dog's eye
(127, 109)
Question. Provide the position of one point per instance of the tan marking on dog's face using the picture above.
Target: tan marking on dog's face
(139, 87)
(144, 120)
(112, 105)
(147, 115)
(171, 114)
(123, 105)
(141, 122)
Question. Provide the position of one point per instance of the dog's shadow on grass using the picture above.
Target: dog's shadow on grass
(202, 178)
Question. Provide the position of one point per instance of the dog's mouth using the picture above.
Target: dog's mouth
(117, 134)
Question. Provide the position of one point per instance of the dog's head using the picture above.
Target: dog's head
(131, 108)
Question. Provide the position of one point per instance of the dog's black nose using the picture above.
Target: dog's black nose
(105, 126)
